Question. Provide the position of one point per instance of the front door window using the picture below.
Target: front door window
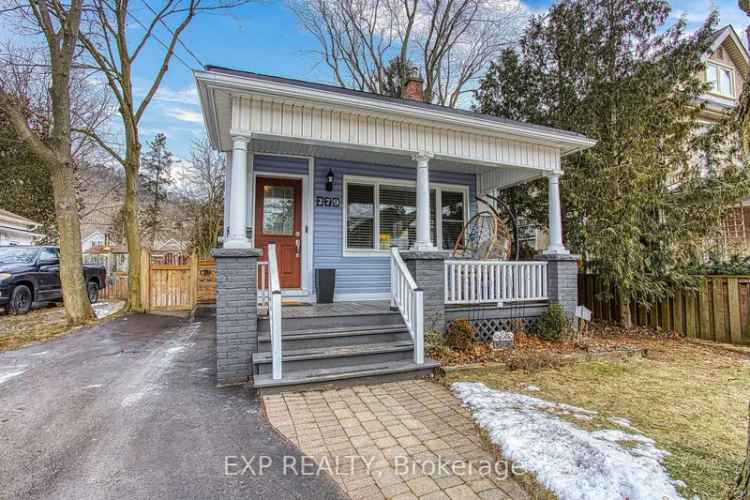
(278, 210)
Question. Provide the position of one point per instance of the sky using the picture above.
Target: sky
(265, 37)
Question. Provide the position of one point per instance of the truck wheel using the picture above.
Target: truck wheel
(20, 300)
(93, 292)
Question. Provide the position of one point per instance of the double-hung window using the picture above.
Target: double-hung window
(721, 79)
(380, 214)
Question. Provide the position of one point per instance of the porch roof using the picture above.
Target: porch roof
(296, 117)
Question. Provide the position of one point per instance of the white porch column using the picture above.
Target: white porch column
(238, 199)
(555, 216)
(227, 193)
(423, 242)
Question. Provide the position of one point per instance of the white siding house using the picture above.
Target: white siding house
(17, 230)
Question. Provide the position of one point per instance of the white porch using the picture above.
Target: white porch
(326, 133)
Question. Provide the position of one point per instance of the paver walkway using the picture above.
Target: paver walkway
(398, 440)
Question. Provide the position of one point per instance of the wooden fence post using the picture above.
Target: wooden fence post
(704, 306)
(194, 276)
(735, 324)
(720, 332)
(145, 279)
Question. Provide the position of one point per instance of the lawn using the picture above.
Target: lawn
(42, 323)
(692, 399)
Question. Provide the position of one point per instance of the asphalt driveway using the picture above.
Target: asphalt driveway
(129, 410)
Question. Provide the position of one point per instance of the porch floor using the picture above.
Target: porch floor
(335, 309)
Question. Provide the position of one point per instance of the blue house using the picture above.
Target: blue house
(379, 189)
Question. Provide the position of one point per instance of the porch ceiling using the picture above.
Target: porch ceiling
(489, 177)
(293, 117)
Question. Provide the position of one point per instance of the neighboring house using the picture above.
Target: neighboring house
(93, 239)
(17, 230)
(727, 70)
(376, 188)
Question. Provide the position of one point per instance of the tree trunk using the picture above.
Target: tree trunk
(625, 319)
(741, 487)
(132, 227)
(78, 309)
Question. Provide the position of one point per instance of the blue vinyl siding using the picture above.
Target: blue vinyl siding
(280, 164)
(354, 275)
(361, 275)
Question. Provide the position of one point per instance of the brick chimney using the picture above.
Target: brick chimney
(413, 88)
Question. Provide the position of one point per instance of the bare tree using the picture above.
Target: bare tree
(204, 191)
(49, 137)
(451, 41)
(115, 34)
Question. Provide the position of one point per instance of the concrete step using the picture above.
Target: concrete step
(344, 376)
(334, 321)
(335, 357)
(332, 337)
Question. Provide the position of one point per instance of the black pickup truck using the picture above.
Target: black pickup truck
(32, 274)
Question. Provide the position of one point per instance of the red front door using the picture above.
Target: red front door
(278, 219)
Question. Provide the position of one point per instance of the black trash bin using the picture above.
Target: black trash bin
(325, 284)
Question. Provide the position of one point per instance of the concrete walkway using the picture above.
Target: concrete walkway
(129, 410)
(400, 440)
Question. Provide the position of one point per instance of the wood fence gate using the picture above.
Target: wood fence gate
(176, 285)
(717, 311)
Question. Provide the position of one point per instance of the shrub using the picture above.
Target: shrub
(436, 346)
(461, 335)
(553, 324)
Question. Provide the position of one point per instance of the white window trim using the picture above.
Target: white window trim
(732, 83)
(376, 182)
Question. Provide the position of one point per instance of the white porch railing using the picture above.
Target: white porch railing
(494, 282)
(274, 311)
(264, 295)
(409, 299)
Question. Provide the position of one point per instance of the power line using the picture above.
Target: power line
(174, 53)
(179, 40)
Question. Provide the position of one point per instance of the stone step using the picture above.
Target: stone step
(344, 376)
(332, 337)
(334, 321)
(335, 357)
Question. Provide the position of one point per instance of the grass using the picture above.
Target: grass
(691, 399)
(39, 325)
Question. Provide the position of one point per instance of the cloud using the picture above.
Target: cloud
(187, 95)
(184, 115)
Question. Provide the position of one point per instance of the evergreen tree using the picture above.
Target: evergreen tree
(155, 178)
(26, 188)
(637, 205)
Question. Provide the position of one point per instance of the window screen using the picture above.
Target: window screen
(360, 226)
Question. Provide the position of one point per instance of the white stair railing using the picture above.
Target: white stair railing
(274, 311)
(408, 297)
(494, 282)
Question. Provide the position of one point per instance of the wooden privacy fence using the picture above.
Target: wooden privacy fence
(117, 287)
(717, 311)
(171, 285)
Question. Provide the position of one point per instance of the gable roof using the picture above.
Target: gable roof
(737, 50)
(324, 95)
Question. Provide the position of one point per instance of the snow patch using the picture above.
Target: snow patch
(4, 377)
(43, 353)
(573, 463)
(104, 309)
(622, 422)
(530, 388)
